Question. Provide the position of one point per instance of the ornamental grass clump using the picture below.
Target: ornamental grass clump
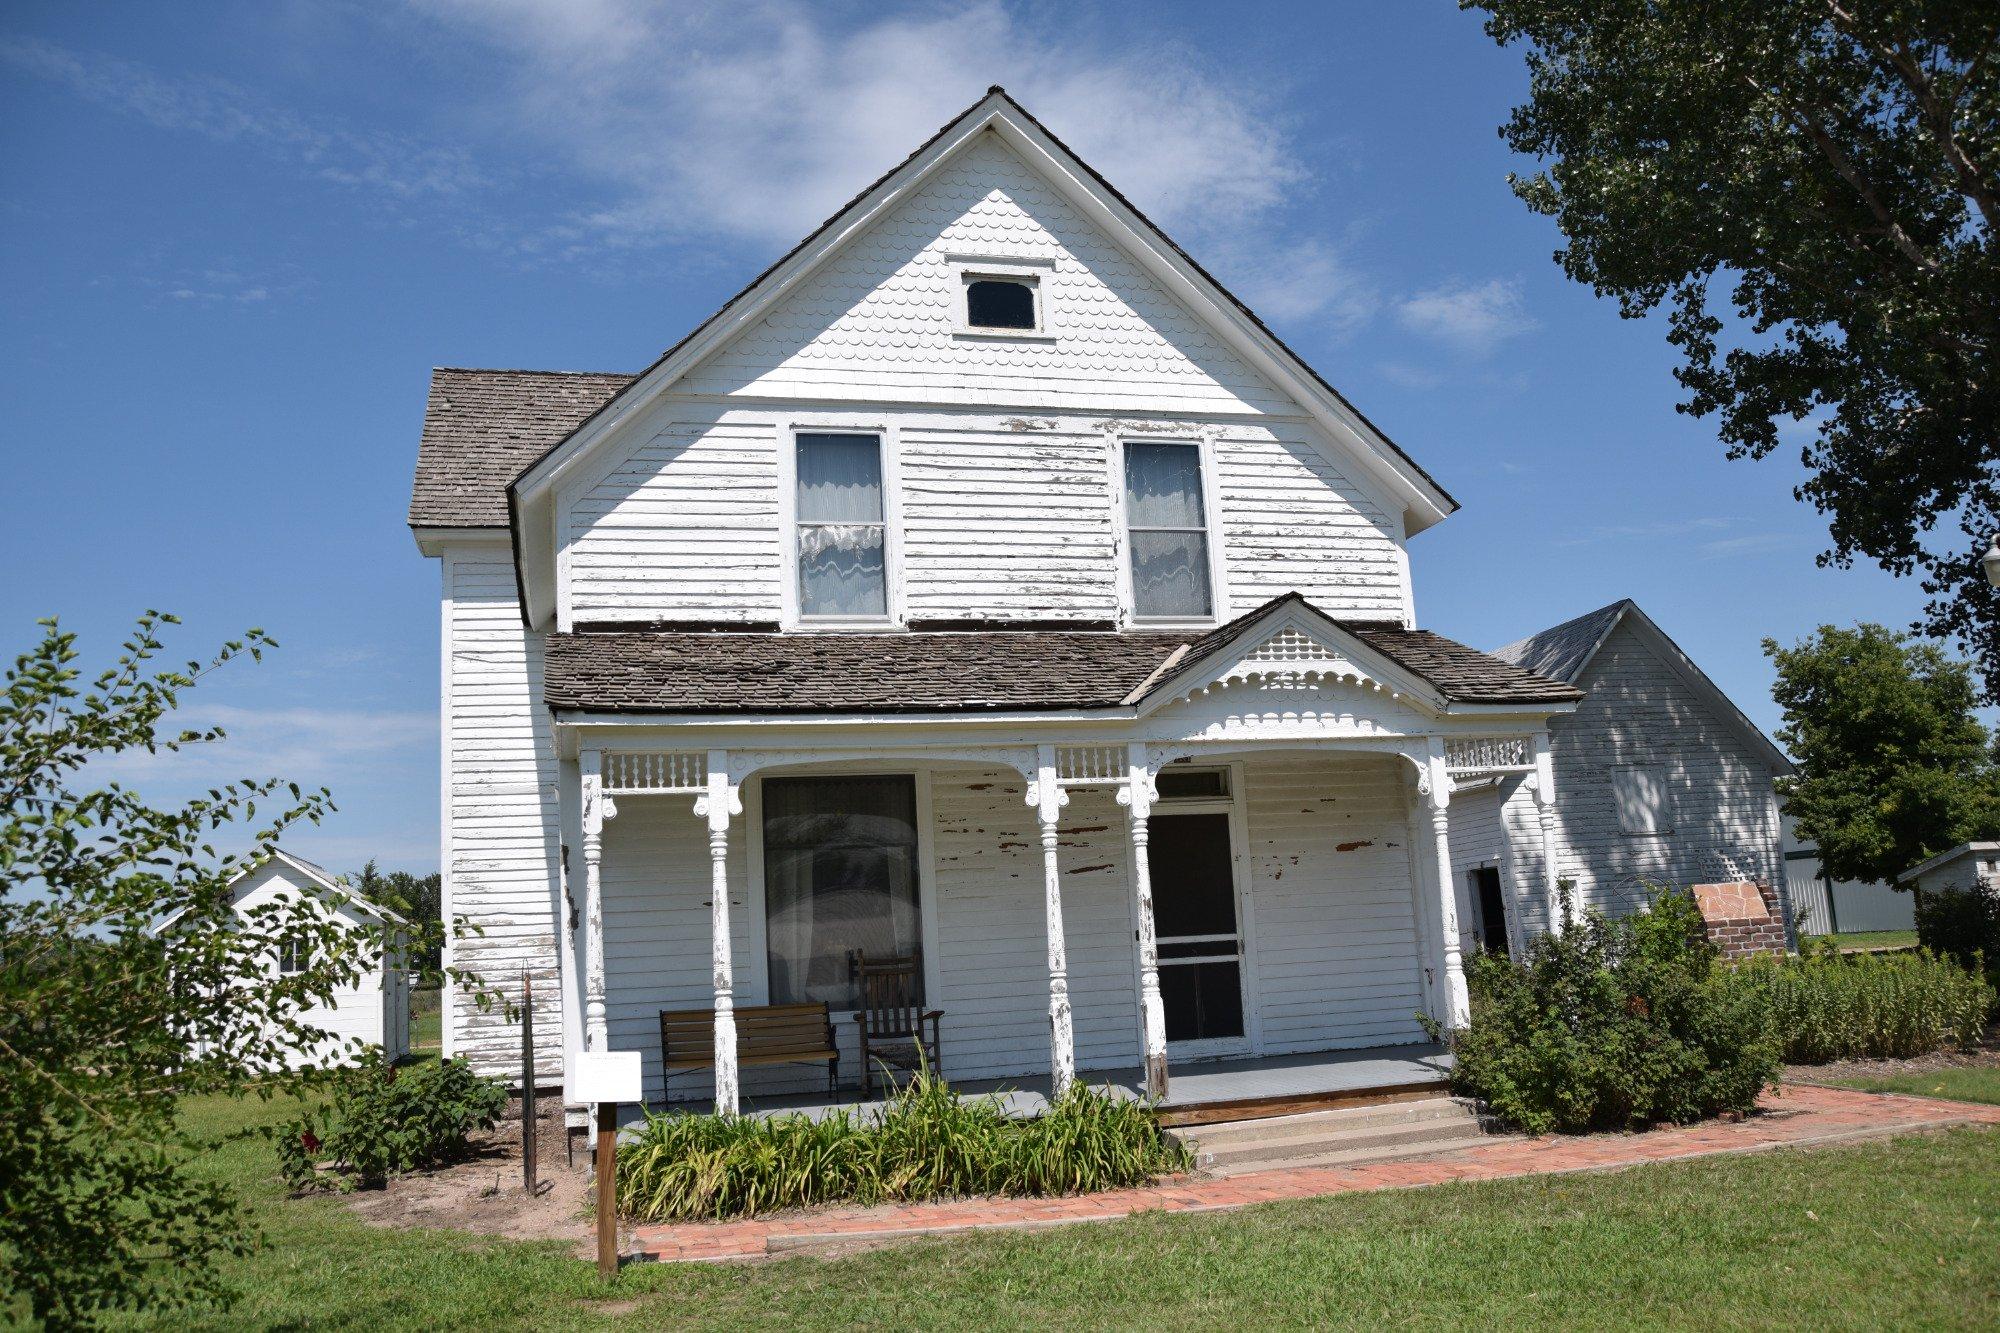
(1612, 1024)
(928, 1143)
(1825, 1005)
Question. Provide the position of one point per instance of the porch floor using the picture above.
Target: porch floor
(1217, 1084)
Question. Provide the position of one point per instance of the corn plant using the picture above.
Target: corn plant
(928, 1143)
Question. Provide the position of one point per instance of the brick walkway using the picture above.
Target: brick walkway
(1799, 1116)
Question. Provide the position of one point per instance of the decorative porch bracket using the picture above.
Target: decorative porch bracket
(1137, 794)
(1046, 795)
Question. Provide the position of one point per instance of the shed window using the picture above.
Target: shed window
(1000, 303)
(841, 537)
(1167, 528)
(1641, 795)
(293, 956)
(840, 877)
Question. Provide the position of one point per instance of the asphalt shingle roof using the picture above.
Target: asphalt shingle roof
(980, 671)
(1561, 651)
(481, 427)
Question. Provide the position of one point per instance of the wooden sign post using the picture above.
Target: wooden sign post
(607, 1078)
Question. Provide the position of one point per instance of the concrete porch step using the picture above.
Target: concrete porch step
(1342, 1137)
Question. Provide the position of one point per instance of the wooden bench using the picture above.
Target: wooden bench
(766, 1034)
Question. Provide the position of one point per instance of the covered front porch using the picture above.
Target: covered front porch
(1247, 1087)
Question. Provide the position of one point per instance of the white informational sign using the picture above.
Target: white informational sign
(607, 1076)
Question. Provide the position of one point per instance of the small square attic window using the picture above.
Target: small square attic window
(1001, 303)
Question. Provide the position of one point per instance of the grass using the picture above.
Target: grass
(426, 1022)
(1883, 1234)
(1874, 939)
(1967, 1083)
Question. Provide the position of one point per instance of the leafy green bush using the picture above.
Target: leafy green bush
(926, 1144)
(1828, 1006)
(382, 1120)
(1612, 1024)
(1962, 924)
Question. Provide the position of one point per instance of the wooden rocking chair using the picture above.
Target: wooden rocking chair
(890, 1017)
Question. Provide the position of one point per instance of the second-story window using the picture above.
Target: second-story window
(841, 536)
(1167, 528)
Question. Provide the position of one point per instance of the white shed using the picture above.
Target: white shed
(376, 1008)
(1970, 865)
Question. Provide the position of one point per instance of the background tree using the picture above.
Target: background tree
(1892, 765)
(1827, 174)
(128, 981)
(420, 899)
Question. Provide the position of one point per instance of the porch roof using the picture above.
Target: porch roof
(996, 670)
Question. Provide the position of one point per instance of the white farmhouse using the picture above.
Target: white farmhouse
(1664, 782)
(983, 586)
(375, 1009)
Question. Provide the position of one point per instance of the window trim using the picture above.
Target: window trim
(889, 441)
(966, 269)
(1218, 586)
(756, 970)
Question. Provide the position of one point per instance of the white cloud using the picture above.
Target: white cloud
(313, 747)
(1755, 543)
(755, 121)
(385, 163)
(1472, 318)
(1672, 529)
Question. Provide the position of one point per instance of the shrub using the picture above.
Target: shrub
(1962, 924)
(926, 1144)
(1828, 1006)
(382, 1120)
(1613, 1024)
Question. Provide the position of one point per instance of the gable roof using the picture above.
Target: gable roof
(318, 876)
(1946, 857)
(481, 427)
(996, 670)
(1425, 502)
(1564, 652)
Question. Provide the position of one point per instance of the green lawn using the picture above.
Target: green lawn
(1884, 1234)
(1969, 1084)
(1875, 939)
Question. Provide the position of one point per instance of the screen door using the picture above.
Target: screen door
(1201, 942)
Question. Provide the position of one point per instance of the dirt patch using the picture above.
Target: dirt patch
(1986, 1055)
(485, 1195)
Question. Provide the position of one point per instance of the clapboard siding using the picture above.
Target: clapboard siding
(1637, 710)
(684, 528)
(1292, 522)
(501, 867)
(877, 321)
(1333, 912)
(1000, 517)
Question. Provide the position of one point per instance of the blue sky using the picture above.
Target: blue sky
(235, 238)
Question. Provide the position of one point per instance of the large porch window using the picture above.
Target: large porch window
(840, 876)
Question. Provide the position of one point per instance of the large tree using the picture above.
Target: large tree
(1892, 764)
(1811, 188)
(129, 981)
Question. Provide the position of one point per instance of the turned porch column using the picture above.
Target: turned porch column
(1048, 798)
(1545, 801)
(1137, 795)
(1435, 784)
(596, 808)
(722, 801)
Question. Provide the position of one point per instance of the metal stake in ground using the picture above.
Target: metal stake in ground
(528, 1125)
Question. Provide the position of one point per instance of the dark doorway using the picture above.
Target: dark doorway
(1490, 912)
(1201, 944)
